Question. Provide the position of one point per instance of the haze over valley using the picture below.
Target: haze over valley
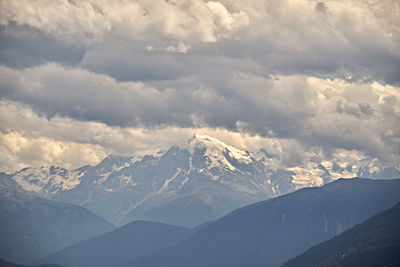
(199, 133)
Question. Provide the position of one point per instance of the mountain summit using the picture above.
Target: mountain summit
(185, 185)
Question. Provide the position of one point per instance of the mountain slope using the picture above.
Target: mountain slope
(133, 240)
(270, 232)
(4, 263)
(374, 242)
(32, 227)
(186, 185)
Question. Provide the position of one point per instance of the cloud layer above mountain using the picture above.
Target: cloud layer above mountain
(82, 79)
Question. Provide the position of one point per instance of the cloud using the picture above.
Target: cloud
(23, 46)
(89, 21)
(314, 76)
(330, 38)
(19, 152)
(331, 114)
(29, 139)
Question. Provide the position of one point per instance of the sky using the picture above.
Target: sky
(83, 79)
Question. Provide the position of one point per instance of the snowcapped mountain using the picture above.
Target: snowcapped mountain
(49, 180)
(185, 185)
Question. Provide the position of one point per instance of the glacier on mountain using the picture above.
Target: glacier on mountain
(185, 185)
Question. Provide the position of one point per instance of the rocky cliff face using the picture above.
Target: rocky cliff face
(185, 185)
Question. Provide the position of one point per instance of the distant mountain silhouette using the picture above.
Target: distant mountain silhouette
(32, 227)
(187, 185)
(4, 263)
(133, 240)
(375, 242)
(269, 233)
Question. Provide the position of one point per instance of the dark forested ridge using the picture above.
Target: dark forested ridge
(4, 263)
(266, 233)
(128, 242)
(375, 242)
(32, 227)
(269, 233)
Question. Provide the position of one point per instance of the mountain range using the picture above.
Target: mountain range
(4, 263)
(32, 227)
(133, 240)
(185, 185)
(266, 233)
(374, 242)
(271, 232)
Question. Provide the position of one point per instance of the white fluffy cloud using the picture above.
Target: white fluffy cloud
(90, 21)
(357, 39)
(312, 77)
(30, 139)
(312, 113)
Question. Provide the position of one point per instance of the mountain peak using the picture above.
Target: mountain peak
(208, 140)
(217, 149)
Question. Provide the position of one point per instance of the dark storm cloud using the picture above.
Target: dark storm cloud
(83, 95)
(245, 66)
(24, 46)
(331, 38)
(349, 116)
(132, 62)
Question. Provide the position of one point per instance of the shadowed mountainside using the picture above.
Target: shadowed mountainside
(374, 242)
(269, 233)
(130, 241)
(32, 227)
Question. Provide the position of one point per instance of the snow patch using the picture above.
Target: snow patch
(103, 177)
(55, 179)
(343, 171)
(116, 168)
(183, 182)
(307, 177)
(167, 181)
(215, 149)
(22, 178)
(126, 180)
(73, 180)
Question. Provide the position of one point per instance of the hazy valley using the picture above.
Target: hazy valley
(154, 198)
(199, 133)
